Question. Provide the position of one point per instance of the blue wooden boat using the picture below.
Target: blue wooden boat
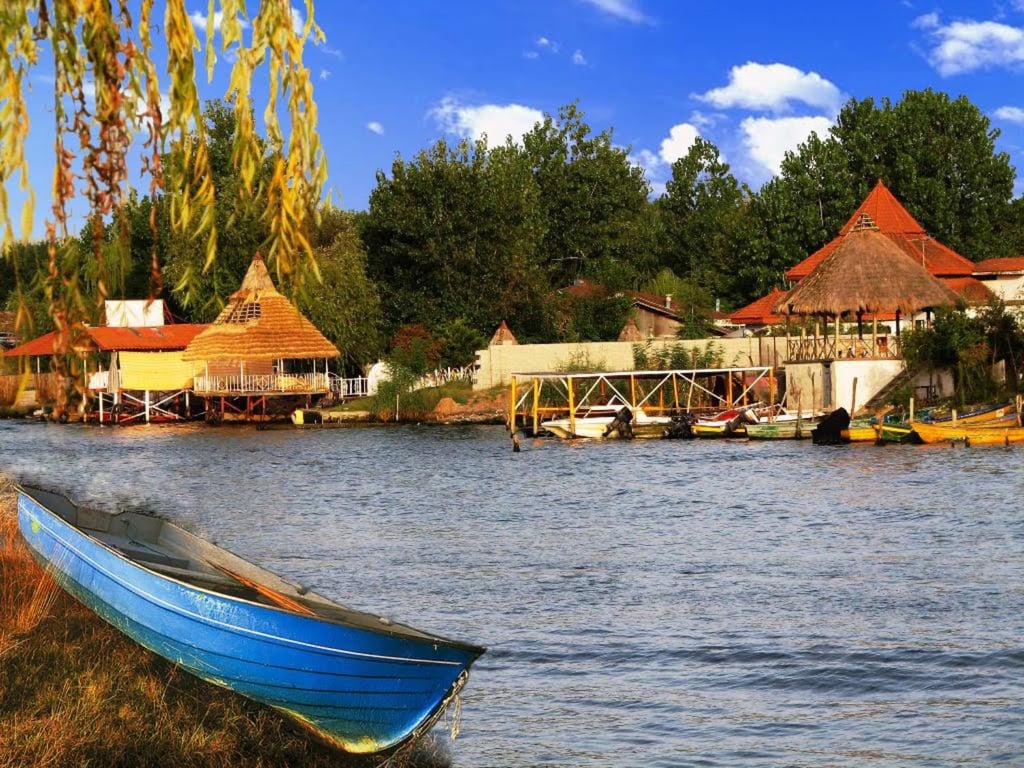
(360, 681)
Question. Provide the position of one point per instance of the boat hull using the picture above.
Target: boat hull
(1001, 433)
(362, 691)
(649, 427)
(780, 430)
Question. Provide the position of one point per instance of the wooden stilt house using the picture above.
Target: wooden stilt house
(260, 356)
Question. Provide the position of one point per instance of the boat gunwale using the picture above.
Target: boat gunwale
(393, 629)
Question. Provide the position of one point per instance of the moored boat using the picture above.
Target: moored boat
(611, 420)
(361, 682)
(728, 423)
(995, 433)
(790, 429)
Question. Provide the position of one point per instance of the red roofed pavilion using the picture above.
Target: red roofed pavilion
(895, 222)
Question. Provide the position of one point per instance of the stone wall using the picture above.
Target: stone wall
(496, 364)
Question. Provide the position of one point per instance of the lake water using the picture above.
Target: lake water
(655, 603)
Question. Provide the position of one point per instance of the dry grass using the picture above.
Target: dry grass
(74, 691)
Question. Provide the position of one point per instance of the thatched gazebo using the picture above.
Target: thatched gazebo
(865, 275)
(259, 346)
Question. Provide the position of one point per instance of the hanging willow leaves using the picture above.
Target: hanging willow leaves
(106, 91)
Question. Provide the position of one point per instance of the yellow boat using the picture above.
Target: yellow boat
(859, 433)
(997, 433)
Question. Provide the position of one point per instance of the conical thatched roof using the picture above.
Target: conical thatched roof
(259, 323)
(502, 336)
(866, 272)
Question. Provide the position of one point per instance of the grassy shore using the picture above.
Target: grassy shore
(74, 691)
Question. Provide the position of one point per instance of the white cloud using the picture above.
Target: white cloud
(324, 74)
(336, 53)
(297, 21)
(767, 140)
(646, 159)
(375, 127)
(677, 144)
(1010, 114)
(773, 87)
(547, 43)
(927, 21)
(496, 120)
(578, 58)
(966, 46)
(628, 10)
(531, 55)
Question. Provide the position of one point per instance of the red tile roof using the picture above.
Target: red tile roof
(581, 289)
(1005, 264)
(39, 346)
(893, 220)
(163, 338)
(972, 290)
(759, 312)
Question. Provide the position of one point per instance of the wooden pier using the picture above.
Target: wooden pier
(536, 397)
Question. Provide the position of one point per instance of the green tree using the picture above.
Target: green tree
(201, 288)
(452, 234)
(592, 198)
(344, 305)
(938, 156)
(702, 210)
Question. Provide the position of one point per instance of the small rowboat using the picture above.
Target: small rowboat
(996, 433)
(361, 682)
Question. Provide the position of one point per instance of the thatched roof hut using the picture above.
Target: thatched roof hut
(259, 323)
(866, 272)
(502, 336)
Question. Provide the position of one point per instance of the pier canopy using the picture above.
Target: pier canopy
(866, 274)
(252, 346)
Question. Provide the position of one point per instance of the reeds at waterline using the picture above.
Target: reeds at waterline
(74, 691)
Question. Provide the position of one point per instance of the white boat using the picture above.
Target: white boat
(609, 421)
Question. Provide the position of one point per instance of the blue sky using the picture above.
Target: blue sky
(753, 77)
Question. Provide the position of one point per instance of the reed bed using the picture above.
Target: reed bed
(74, 691)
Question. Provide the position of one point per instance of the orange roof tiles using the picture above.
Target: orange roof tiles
(153, 338)
(162, 338)
(995, 266)
(759, 312)
(894, 221)
(970, 289)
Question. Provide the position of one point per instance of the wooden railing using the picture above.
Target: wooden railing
(271, 383)
(348, 388)
(846, 348)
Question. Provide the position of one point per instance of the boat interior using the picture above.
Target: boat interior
(169, 550)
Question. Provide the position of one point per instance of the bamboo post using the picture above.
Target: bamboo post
(728, 388)
(814, 393)
(572, 408)
(853, 397)
(511, 405)
(536, 406)
(911, 409)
